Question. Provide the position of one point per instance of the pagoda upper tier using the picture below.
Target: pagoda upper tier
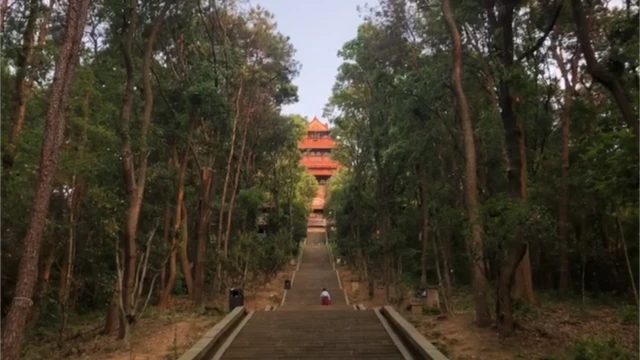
(316, 149)
(318, 137)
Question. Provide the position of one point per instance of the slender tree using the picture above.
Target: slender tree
(475, 247)
(14, 325)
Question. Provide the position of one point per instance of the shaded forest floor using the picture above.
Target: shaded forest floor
(160, 334)
(545, 332)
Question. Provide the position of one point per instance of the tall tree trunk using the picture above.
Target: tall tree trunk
(570, 83)
(66, 272)
(14, 324)
(112, 318)
(131, 222)
(136, 180)
(502, 44)
(475, 246)
(444, 245)
(225, 186)
(24, 83)
(235, 186)
(632, 278)
(194, 118)
(77, 191)
(194, 115)
(202, 233)
(227, 176)
(21, 91)
(426, 227)
(523, 284)
(184, 253)
(167, 236)
(45, 277)
(165, 297)
(450, 170)
(234, 190)
(4, 7)
(166, 239)
(442, 287)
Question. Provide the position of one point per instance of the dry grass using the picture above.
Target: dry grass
(257, 297)
(546, 331)
(161, 334)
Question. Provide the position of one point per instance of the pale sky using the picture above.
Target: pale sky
(317, 30)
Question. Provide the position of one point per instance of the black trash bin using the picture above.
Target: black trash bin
(236, 298)
(287, 284)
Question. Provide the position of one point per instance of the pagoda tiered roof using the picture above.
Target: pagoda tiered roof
(318, 162)
(321, 143)
(322, 172)
(310, 143)
(317, 126)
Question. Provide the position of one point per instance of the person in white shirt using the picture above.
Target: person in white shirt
(325, 297)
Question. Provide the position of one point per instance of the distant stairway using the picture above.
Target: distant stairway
(315, 273)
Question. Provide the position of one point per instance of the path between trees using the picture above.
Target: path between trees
(314, 273)
(295, 331)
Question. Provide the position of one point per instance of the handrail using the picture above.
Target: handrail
(410, 334)
(215, 336)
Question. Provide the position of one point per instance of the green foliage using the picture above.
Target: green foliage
(219, 77)
(627, 314)
(401, 142)
(600, 348)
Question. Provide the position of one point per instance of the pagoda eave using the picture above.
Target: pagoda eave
(317, 164)
(322, 172)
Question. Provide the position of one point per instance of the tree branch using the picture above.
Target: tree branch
(543, 38)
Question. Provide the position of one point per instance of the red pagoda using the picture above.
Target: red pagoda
(316, 150)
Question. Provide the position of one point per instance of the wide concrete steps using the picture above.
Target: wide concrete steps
(311, 297)
(332, 307)
(314, 273)
(306, 335)
(315, 254)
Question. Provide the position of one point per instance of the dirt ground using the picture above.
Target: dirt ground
(547, 331)
(160, 335)
(160, 340)
(258, 297)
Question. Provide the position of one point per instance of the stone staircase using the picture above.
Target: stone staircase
(314, 273)
(321, 335)
(334, 332)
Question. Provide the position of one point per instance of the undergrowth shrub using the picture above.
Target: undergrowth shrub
(627, 314)
(600, 349)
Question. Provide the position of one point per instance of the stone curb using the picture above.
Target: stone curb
(419, 343)
(232, 336)
(333, 263)
(293, 275)
(212, 337)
